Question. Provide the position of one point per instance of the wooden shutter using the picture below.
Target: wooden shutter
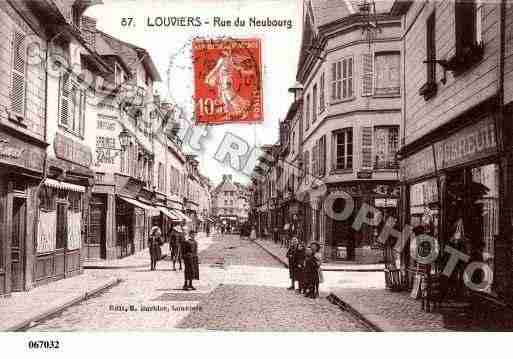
(367, 74)
(334, 81)
(366, 147)
(322, 156)
(64, 102)
(18, 84)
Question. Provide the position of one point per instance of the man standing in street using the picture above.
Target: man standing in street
(190, 259)
(291, 256)
(175, 244)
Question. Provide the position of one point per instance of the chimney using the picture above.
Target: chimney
(88, 29)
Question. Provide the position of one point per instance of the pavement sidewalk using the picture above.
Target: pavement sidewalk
(280, 252)
(20, 309)
(385, 310)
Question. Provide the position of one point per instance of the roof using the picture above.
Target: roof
(130, 53)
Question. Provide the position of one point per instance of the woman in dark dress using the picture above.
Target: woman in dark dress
(190, 260)
(154, 244)
(299, 262)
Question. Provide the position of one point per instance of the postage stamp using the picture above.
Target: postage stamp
(227, 81)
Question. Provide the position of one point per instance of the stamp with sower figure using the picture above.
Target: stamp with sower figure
(227, 81)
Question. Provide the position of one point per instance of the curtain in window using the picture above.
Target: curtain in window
(74, 230)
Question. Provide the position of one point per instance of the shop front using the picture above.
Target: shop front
(59, 230)
(21, 172)
(343, 241)
(451, 191)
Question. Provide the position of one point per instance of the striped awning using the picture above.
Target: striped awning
(150, 210)
(64, 185)
(168, 213)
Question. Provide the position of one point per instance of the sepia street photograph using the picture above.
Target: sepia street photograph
(289, 167)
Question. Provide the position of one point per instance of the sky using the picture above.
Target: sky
(170, 50)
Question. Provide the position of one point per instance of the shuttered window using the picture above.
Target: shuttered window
(315, 158)
(366, 133)
(343, 149)
(314, 104)
(466, 25)
(367, 74)
(306, 160)
(386, 141)
(322, 99)
(342, 79)
(307, 112)
(387, 69)
(72, 105)
(18, 80)
(322, 156)
(431, 49)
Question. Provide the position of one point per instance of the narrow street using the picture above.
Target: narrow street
(241, 287)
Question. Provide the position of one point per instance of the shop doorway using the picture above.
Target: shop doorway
(343, 234)
(18, 234)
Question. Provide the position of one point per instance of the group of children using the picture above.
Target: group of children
(305, 267)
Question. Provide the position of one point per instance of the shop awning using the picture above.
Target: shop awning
(180, 215)
(64, 185)
(150, 210)
(168, 213)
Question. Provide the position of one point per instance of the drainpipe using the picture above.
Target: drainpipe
(505, 208)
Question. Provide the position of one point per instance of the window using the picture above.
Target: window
(314, 104)
(469, 25)
(430, 49)
(118, 74)
(72, 106)
(18, 84)
(322, 100)
(307, 112)
(315, 158)
(342, 79)
(387, 73)
(386, 140)
(343, 149)
(429, 89)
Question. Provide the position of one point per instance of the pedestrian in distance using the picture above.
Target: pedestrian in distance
(291, 256)
(190, 259)
(175, 246)
(276, 235)
(154, 243)
(253, 235)
(299, 261)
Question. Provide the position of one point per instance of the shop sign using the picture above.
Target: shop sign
(472, 143)
(72, 151)
(418, 164)
(15, 152)
(364, 174)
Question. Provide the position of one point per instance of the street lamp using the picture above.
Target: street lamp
(124, 139)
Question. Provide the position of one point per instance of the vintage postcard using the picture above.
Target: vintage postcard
(233, 166)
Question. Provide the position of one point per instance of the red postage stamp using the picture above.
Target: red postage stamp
(227, 81)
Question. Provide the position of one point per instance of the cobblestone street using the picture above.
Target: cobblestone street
(241, 287)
